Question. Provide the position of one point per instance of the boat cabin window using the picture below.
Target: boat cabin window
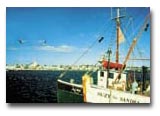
(102, 74)
(111, 75)
(119, 77)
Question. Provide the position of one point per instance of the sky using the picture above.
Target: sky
(59, 35)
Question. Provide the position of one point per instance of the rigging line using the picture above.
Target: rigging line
(140, 17)
(110, 46)
(111, 33)
(141, 10)
(138, 36)
(130, 19)
(145, 21)
(104, 26)
(91, 72)
(111, 38)
(131, 36)
(125, 31)
(128, 23)
(108, 25)
(85, 52)
(136, 47)
(133, 62)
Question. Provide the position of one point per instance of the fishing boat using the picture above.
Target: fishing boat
(114, 82)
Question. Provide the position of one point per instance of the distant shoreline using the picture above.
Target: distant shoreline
(138, 69)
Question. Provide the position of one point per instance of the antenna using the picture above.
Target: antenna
(121, 12)
(116, 14)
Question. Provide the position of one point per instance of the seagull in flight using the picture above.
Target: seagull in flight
(20, 41)
(43, 42)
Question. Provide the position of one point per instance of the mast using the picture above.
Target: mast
(116, 14)
(117, 41)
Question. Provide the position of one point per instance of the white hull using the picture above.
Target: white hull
(96, 94)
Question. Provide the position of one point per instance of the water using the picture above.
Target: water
(35, 86)
(38, 86)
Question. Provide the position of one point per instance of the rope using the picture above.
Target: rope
(130, 24)
(86, 51)
(79, 58)
(141, 30)
(142, 11)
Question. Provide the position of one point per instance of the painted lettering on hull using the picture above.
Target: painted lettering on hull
(117, 98)
(105, 95)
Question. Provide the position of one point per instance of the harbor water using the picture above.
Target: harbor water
(37, 86)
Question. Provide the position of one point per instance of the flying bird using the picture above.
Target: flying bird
(20, 41)
(43, 42)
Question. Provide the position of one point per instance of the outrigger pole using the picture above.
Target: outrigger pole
(137, 37)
